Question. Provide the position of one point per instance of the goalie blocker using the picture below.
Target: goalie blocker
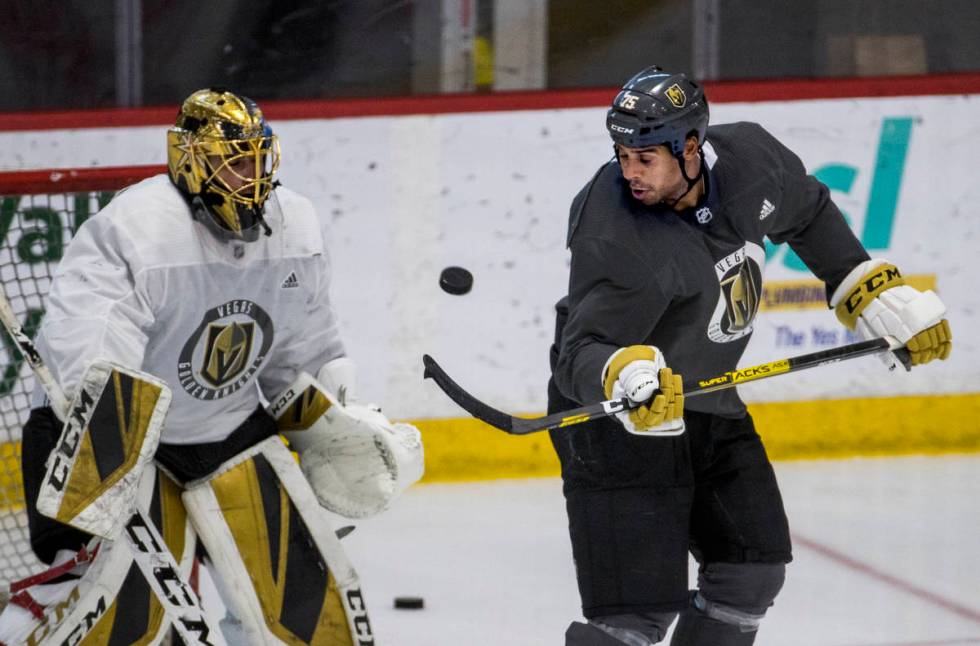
(111, 433)
(99, 479)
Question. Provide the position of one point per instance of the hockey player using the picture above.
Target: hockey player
(667, 244)
(213, 279)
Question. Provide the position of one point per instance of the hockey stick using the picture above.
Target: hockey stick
(29, 352)
(143, 539)
(521, 426)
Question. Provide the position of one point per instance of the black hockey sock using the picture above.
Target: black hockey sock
(694, 628)
(579, 634)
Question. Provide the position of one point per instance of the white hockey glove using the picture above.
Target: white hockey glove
(874, 300)
(357, 461)
(640, 373)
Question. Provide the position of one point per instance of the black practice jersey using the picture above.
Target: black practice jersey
(690, 283)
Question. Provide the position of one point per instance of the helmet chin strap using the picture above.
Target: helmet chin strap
(259, 213)
(691, 181)
(261, 220)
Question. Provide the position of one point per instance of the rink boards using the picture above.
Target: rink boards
(410, 193)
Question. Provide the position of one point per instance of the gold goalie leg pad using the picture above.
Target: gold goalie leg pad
(111, 432)
(282, 570)
(111, 603)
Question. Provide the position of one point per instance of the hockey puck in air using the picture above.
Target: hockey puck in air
(409, 603)
(455, 280)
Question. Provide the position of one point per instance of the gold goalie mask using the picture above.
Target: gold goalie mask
(222, 154)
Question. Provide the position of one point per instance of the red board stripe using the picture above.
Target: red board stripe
(718, 92)
(67, 180)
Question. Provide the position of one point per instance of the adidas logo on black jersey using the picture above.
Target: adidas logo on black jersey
(291, 281)
(766, 210)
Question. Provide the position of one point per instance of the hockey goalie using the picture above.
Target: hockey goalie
(190, 323)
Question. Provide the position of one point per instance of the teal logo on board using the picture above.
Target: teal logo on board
(879, 219)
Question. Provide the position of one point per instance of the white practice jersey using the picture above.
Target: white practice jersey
(145, 285)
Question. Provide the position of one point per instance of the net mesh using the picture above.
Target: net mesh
(40, 211)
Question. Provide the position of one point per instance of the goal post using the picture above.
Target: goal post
(40, 211)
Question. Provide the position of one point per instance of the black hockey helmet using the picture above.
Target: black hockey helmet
(658, 108)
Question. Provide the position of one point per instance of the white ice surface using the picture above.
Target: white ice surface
(887, 553)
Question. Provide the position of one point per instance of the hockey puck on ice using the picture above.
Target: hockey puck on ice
(455, 280)
(409, 603)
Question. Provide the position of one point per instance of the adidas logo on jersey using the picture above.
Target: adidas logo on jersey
(766, 210)
(291, 281)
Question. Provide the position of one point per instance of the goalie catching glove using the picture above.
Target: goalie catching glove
(874, 300)
(640, 373)
(356, 460)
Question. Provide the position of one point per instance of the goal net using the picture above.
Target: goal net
(39, 213)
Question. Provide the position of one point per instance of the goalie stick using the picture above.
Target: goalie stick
(150, 553)
(521, 426)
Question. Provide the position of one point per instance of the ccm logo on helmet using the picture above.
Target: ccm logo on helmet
(627, 131)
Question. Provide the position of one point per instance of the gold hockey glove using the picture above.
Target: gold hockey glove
(875, 301)
(640, 373)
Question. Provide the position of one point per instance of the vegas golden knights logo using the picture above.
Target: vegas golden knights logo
(739, 276)
(676, 95)
(226, 351)
(742, 298)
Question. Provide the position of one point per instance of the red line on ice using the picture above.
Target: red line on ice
(888, 579)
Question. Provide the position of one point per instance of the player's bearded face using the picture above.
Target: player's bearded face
(653, 174)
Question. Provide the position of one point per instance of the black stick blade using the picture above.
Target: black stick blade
(509, 423)
(467, 402)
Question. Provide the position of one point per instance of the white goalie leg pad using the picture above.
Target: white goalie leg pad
(111, 433)
(66, 612)
(279, 565)
(111, 601)
(356, 459)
